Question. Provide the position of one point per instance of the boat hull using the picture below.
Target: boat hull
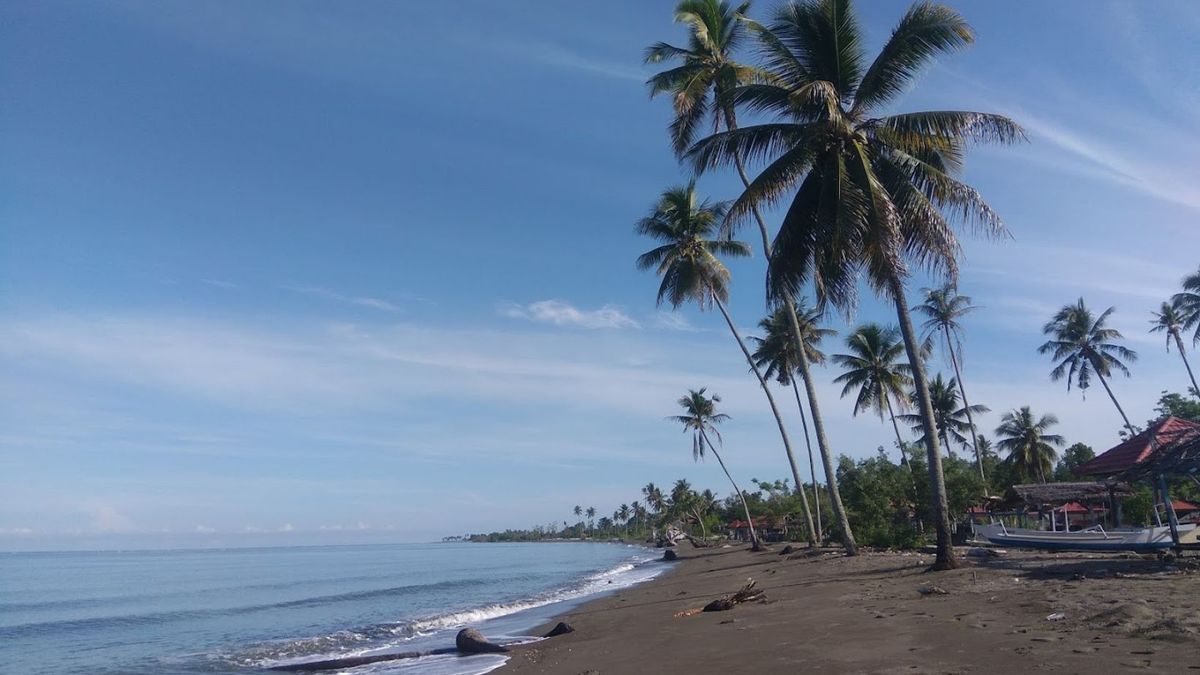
(1149, 539)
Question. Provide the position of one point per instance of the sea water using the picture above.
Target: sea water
(242, 610)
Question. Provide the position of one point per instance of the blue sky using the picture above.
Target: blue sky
(306, 272)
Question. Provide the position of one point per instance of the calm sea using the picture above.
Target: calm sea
(240, 610)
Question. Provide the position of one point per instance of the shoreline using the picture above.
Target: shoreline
(882, 613)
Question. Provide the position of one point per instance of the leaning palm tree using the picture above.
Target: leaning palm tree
(875, 374)
(776, 355)
(701, 419)
(1083, 345)
(1170, 319)
(702, 87)
(944, 307)
(951, 420)
(690, 270)
(871, 191)
(1030, 449)
(1188, 302)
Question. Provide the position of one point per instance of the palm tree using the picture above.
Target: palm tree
(874, 371)
(951, 420)
(1171, 319)
(690, 270)
(700, 419)
(591, 516)
(1029, 447)
(872, 192)
(776, 355)
(944, 307)
(1082, 345)
(654, 497)
(1188, 302)
(702, 87)
(578, 511)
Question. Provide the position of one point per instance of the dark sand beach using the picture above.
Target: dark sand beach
(882, 613)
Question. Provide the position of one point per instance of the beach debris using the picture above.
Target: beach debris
(561, 629)
(669, 555)
(980, 552)
(748, 593)
(788, 550)
(1057, 616)
(932, 590)
(471, 641)
(688, 612)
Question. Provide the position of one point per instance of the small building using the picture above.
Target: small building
(1136, 449)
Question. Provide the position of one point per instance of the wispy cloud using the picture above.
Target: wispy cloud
(674, 321)
(218, 283)
(560, 313)
(556, 56)
(359, 301)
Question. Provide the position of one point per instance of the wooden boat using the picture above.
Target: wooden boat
(1094, 538)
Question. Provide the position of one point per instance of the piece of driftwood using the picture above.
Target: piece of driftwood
(748, 593)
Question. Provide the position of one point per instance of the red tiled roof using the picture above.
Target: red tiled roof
(1137, 448)
(1183, 507)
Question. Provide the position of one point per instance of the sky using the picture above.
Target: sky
(301, 272)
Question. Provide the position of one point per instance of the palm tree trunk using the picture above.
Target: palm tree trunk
(835, 496)
(966, 404)
(1132, 431)
(937, 481)
(1183, 355)
(812, 468)
(738, 490)
(787, 444)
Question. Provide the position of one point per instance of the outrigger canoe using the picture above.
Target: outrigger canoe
(1094, 538)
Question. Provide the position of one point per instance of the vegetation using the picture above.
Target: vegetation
(944, 307)
(1030, 448)
(873, 369)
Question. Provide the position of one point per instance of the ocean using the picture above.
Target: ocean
(242, 610)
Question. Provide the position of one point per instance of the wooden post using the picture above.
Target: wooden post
(1171, 518)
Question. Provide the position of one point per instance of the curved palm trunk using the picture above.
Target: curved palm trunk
(738, 490)
(1183, 355)
(900, 441)
(937, 480)
(787, 444)
(1132, 431)
(703, 530)
(835, 496)
(812, 468)
(966, 404)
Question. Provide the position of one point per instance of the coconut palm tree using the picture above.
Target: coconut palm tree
(1083, 345)
(875, 373)
(701, 87)
(944, 307)
(690, 270)
(591, 516)
(951, 420)
(578, 511)
(654, 497)
(1029, 447)
(871, 190)
(775, 353)
(701, 419)
(1170, 319)
(1188, 302)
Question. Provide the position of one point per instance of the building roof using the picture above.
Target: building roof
(1136, 449)
(1181, 506)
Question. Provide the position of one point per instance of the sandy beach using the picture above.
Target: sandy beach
(882, 613)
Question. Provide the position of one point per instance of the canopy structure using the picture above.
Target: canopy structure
(1056, 493)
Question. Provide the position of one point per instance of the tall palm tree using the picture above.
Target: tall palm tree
(702, 87)
(591, 516)
(1170, 319)
(690, 270)
(944, 307)
(875, 374)
(1029, 447)
(578, 511)
(1189, 305)
(654, 497)
(701, 419)
(872, 191)
(950, 419)
(1083, 345)
(776, 355)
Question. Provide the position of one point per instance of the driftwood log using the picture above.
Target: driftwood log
(747, 594)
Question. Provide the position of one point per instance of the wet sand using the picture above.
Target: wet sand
(882, 613)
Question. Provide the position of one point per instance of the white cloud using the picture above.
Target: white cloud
(560, 313)
(15, 531)
(106, 518)
(360, 301)
(674, 321)
(556, 56)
